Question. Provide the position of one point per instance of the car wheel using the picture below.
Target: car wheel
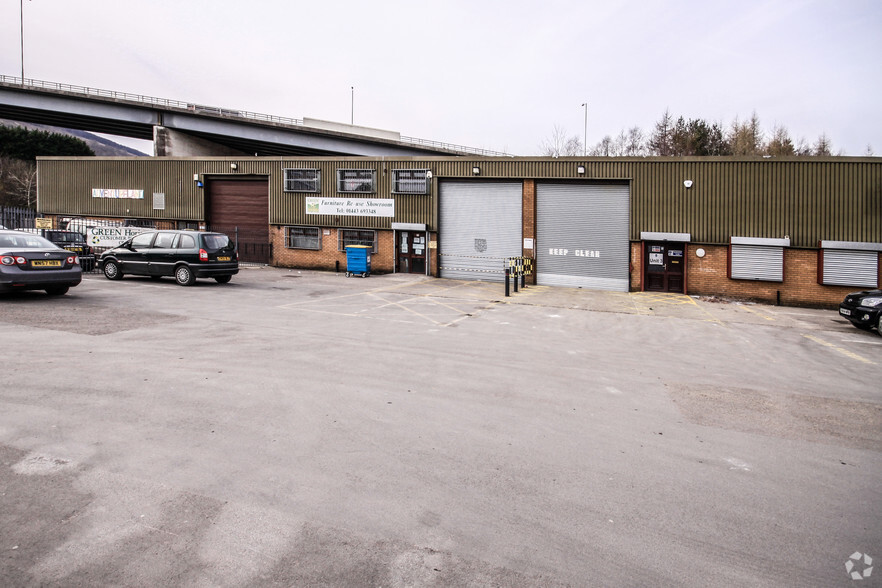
(57, 290)
(879, 324)
(184, 276)
(112, 271)
(223, 279)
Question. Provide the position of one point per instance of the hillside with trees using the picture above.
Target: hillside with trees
(19, 148)
(693, 137)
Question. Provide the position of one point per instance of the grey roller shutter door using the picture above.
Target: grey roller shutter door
(480, 225)
(757, 262)
(851, 268)
(582, 236)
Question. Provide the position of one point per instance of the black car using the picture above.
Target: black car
(73, 241)
(863, 309)
(30, 262)
(186, 255)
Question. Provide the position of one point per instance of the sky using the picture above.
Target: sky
(491, 74)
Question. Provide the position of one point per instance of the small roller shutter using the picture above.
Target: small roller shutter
(757, 259)
(850, 267)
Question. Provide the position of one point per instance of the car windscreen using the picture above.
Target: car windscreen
(67, 237)
(216, 241)
(25, 241)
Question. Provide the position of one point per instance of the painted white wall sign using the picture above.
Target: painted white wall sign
(115, 193)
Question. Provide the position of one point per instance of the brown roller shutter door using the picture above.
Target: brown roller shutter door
(244, 205)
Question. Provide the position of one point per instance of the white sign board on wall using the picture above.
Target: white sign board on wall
(384, 207)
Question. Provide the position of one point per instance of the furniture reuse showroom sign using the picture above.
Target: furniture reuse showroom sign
(350, 206)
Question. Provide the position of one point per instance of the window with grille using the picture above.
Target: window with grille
(360, 181)
(410, 181)
(303, 238)
(355, 237)
(303, 180)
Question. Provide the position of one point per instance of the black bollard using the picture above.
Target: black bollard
(506, 282)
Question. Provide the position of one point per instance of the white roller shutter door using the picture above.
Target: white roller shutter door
(757, 262)
(851, 268)
(480, 225)
(582, 236)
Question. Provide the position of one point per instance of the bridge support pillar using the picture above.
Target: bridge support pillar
(173, 143)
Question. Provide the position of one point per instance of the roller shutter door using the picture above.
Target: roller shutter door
(582, 236)
(480, 225)
(238, 203)
(757, 262)
(240, 208)
(851, 268)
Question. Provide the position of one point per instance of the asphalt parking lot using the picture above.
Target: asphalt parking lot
(298, 428)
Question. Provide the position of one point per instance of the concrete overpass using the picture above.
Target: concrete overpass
(181, 129)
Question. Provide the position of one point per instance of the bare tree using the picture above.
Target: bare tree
(746, 138)
(635, 143)
(780, 144)
(603, 149)
(559, 145)
(823, 147)
(662, 140)
(18, 181)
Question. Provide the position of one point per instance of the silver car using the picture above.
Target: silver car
(30, 262)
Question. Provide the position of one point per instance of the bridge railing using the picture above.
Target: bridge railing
(142, 99)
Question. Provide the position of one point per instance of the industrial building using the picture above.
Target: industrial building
(795, 231)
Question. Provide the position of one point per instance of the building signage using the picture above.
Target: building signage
(350, 206)
(111, 236)
(114, 193)
(575, 252)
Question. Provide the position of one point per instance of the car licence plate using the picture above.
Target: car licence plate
(844, 312)
(224, 258)
(45, 263)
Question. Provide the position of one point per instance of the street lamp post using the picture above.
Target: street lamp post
(21, 15)
(352, 111)
(585, 136)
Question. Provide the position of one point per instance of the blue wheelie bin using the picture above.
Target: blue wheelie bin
(358, 260)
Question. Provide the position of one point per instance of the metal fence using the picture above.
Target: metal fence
(17, 218)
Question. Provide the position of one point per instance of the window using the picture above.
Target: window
(164, 240)
(143, 240)
(355, 180)
(355, 237)
(303, 180)
(757, 259)
(187, 242)
(847, 263)
(303, 238)
(410, 181)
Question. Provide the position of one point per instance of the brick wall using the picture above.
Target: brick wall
(708, 276)
(383, 261)
(529, 221)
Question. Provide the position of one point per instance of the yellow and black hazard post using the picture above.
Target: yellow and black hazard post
(513, 263)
